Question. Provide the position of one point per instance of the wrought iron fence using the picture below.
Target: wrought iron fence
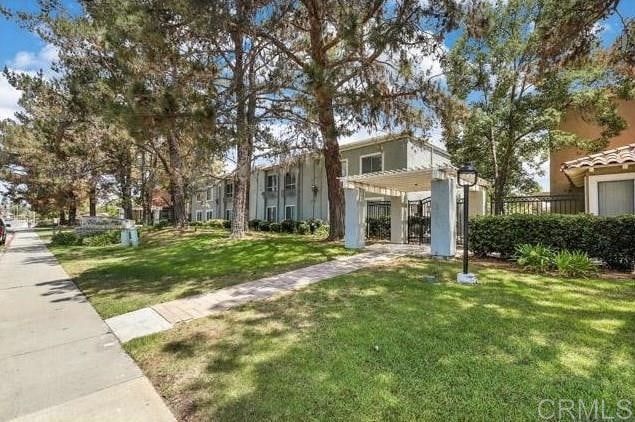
(419, 221)
(378, 220)
(539, 204)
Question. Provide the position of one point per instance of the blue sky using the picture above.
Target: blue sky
(23, 51)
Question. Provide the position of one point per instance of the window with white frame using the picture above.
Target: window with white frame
(199, 215)
(289, 212)
(229, 215)
(289, 181)
(271, 184)
(209, 194)
(271, 214)
(199, 196)
(229, 189)
(371, 163)
(344, 167)
(616, 197)
(210, 215)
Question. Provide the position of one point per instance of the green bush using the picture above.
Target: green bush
(69, 238)
(163, 223)
(111, 237)
(574, 264)
(322, 231)
(287, 226)
(536, 258)
(265, 226)
(275, 227)
(227, 224)
(378, 226)
(253, 224)
(301, 227)
(610, 239)
(215, 224)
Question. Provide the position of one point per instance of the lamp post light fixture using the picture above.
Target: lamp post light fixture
(466, 177)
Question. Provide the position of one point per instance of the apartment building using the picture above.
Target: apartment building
(298, 190)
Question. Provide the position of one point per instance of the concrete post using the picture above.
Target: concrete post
(354, 219)
(478, 201)
(398, 216)
(443, 218)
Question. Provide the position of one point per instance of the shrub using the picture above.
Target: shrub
(322, 231)
(275, 227)
(610, 239)
(574, 264)
(111, 237)
(69, 238)
(215, 224)
(287, 226)
(314, 224)
(227, 224)
(537, 258)
(163, 223)
(301, 227)
(378, 226)
(196, 224)
(265, 226)
(253, 224)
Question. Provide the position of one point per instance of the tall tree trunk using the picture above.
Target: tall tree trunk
(92, 200)
(72, 208)
(244, 139)
(63, 221)
(328, 129)
(176, 182)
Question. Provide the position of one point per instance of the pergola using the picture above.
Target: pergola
(439, 181)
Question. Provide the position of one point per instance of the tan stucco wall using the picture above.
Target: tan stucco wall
(559, 184)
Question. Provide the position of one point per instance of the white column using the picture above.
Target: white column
(398, 216)
(354, 219)
(477, 203)
(443, 218)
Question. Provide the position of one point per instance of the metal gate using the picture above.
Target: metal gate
(378, 220)
(419, 221)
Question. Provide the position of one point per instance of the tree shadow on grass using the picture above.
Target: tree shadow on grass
(138, 277)
(384, 345)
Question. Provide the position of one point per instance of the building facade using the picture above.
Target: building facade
(606, 180)
(298, 190)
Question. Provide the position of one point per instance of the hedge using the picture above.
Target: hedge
(610, 239)
(378, 226)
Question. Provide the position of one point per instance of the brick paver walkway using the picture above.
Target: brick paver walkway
(163, 316)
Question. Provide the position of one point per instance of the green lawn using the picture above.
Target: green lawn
(169, 265)
(382, 344)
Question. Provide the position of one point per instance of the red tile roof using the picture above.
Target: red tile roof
(621, 155)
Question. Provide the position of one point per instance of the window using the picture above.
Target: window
(229, 215)
(209, 194)
(616, 197)
(210, 215)
(199, 215)
(271, 214)
(371, 163)
(289, 181)
(199, 196)
(344, 168)
(289, 212)
(272, 183)
(229, 190)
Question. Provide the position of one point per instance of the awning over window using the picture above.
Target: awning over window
(577, 169)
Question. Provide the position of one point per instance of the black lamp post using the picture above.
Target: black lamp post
(466, 177)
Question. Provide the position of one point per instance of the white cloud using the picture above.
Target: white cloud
(23, 62)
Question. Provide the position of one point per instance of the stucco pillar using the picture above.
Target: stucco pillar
(443, 218)
(354, 219)
(478, 202)
(398, 216)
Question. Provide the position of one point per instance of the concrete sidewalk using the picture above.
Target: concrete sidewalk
(164, 316)
(58, 360)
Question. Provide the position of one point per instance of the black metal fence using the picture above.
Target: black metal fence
(419, 221)
(539, 204)
(378, 220)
